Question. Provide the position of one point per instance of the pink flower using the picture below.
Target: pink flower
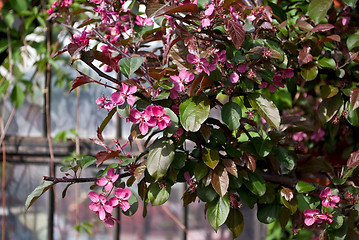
(158, 112)
(315, 216)
(328, 199)
(190, 182)
(119, 98)
(206, 22)
(201, 64)
(144, 119)
(318, 136)
(209, 10)
(81, 40)
(100, 205)
(179, 81)
(108, 182)
(109, 221)
(299, 136)
(143, 21)
(122, 195)
(234, 77)
(242, 68)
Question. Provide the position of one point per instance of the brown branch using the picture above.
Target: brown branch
(78, 180)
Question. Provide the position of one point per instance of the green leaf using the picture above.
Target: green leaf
(256, 183)
(124, 110)
(130, 65)
(285, 160)
(247, 197)
(304, 187)
(210, 157)
(206, 194)
(133, 205)
(235, 222)
(38, 191)
(353, 40)
(200, 170)
(351, 3)
(268, 213)
(107, 120)
(263, 147)
(193, 112)
(231, 115)
(309, 73)
(160, 157)
(317, 9)
(338, 220)
(328, 91)
(339, 234)
(158, 195)
(218, 212)
(86, 161)
(329, 107)
(17, 95)
(266, 108)
(327, 63)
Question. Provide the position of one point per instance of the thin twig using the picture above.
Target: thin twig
(78, 180)
(3, 131)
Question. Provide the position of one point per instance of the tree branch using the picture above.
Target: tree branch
(78, 180)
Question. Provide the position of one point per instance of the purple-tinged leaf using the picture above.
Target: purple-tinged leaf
(236, 32)
(353, 160)
(80, 81)
(322, 27)
(354, 99)
(220, 180)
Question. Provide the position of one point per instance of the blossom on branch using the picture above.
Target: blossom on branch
(107, 182)
(328, 200)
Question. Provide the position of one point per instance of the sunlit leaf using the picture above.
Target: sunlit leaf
(353, 40)
(218, 211)
(130, 65)
(231, 115)
(193, 112)
(160, 157)
(158, 195)
(266, 108)
(37, 192)
(317, 9)
(235, 222)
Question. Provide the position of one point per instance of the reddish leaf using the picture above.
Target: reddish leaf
(236, 32)
(176, 9)
(203, 81)
(330, 38)
(168, 48)
(74, 49)
(106, 59)
(189, 197)
(287, 194)
(140, 170)
(249, 161)
(322, 27)
(354, 99)
(220, 180)
(305, 56)
(80, 81)
(60, 52)
(230, 167)
(88, 22)
(103, 156)
(353, 160)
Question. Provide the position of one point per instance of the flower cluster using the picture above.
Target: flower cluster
(328, 200)
(103, 206)
(150, 117)
(315, 216)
